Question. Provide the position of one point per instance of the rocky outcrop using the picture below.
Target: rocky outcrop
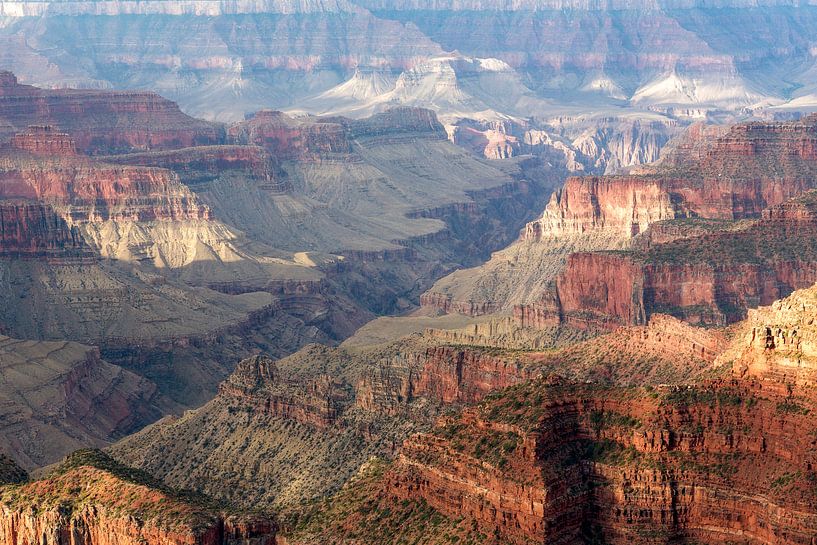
(258, 385)
(623, 206)
(202, 165)
(286, 138)
(400, 122)
(44, 140)
(557, 462)
(561, 463)
(95, 191)
(711, 180)
(35, 230)
(102, 121)
(92, 500)
(711, 278)
(776, 344)
(441, 374)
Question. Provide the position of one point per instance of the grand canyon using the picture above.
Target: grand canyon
(367, 272)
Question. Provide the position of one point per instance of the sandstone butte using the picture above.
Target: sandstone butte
(690, 236)
(91, 500)
(724, 458)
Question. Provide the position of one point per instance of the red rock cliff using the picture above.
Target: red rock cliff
(92, 190)
(103, 121)
(91, 500)
(258, 385)
(710, 278)
(288, 138)
(34, 230)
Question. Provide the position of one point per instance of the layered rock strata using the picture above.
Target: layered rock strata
(717, 175)
(60, 396)
(556, 461)
(102, 121)
(91, 500)
(710, 278)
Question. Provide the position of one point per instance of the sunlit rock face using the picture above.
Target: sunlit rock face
(690, 235)
(92, 500)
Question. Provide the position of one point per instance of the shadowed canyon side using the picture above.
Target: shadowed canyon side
(60, 396)
(348, 404)
(449, 272)
(613, 249)
(91, 500)
(725, 458)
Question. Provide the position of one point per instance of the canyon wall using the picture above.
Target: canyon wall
(61, 396)
(711, 278)
(92, 500)
(102, 121)
(666, 218)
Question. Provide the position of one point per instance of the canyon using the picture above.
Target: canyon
(597, 86)
(211, 333)
(689, 236)
(721, 458)
(172, 248)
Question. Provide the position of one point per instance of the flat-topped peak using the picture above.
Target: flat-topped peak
(45, 140)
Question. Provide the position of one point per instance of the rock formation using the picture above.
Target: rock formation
(91, 500)
(775, 344)
(60, 396)
(556, 460)
(101, 121)
(710, 278)
(286, 138)
(722, 175)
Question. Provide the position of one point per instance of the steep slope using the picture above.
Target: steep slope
(59, 396)
(91, 500)
(101, 121)
(345, 405)
(124, 257)
(720, 174)
(370, 199)
(711, 278)
(266, 416)
(726, 460)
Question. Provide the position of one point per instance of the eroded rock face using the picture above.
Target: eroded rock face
(709, 278)
(442, 374)
(623, 206)
(102, 121)
(558, 461)
(200, 165)
(721, 175)
(258, 385)
(35, 230)
(627, 466)
(60, 396)
(92, 190)
(776, 345)
(286, 138)
(92, 500)
(44, 140)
